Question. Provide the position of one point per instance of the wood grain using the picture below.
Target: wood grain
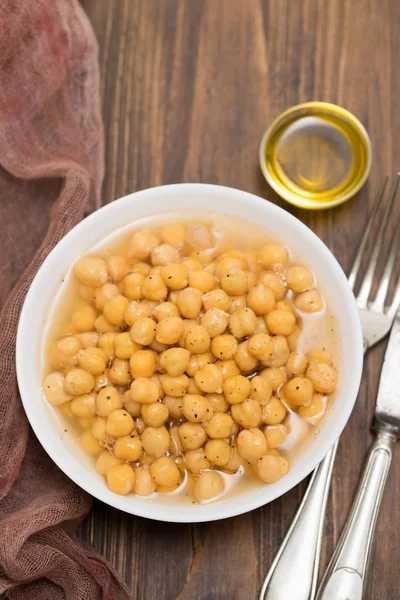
(188, 87)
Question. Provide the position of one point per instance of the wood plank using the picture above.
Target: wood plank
(188, 89)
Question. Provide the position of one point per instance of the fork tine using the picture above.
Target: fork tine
(379, 302)
(393, 308)
(357, 262)
(362, 298)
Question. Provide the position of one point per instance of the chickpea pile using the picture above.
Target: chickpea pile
(182, 354)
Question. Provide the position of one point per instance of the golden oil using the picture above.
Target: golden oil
(316, 155)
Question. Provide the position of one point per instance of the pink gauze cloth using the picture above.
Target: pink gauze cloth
(51, 170)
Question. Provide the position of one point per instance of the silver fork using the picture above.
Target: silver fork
(294, 572)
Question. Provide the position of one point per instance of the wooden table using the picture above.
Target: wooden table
(188, 87)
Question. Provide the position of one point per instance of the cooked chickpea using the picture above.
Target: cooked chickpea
(196, 460)
(92, 360)
(227, 263)
(273, 282)
(242, 322)
(143, 331)
(247, 414)
(275, 435)
(84, 406)
(90, 443)
(114, 310)
(280, 322)
(169, 330)
(187, 324)
(165, 472)
(236, 389)
(174, 386)
(91, 270)
(66, 351)
(142, 243)
(209, 485)
(252, 444)
(189, 302)
(144, 390)
(309, 302)
(274, 412)
(105, 461)
(143, 363)
(196, 409)
(153, 287)
(237, 303)
(136, 311)
(121, 479)
(320, 354)
(197, 362)
(271, 255)
(209, 379)
(99, 428)
(315, 408)
(293, 339)
(132, 284)
(83, 318)
(165, 254)
(118, 266)
(119, 373)
(197, 339)
(218, 402)
(155, 415)
(234, 282)
(125, 346)
(215, 321)
(298, 391)
(173, 234)
(271, 468)
(104, 293)
(88, 339)
(174, 361)
(276, 376)
(174, 406)
(165, 310)
(323, 376)
(78, 382)
(128, 447)
(218, 452)
(216, 299)
(144, 484)
(119, 423)
(219, 426)
(175, 276)
(261, 389)
(260, 346)
(54, 389)
(244, 360)
(107, 400)
(107, 344)
(300, 279)
(280, 352)
(224, 347)
(296, 364)
(192, 435)
(228, 368)
(202, 280)
(101, 381)
(86, 422)
(261, 299)
(156, 441)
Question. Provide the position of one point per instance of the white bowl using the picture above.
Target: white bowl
(47, 422)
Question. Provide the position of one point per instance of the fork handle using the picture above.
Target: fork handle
(294, 572)
(347, 571)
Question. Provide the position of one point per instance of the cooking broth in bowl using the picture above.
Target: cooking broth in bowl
(191, 357)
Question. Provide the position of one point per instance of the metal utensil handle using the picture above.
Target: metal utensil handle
(294, 572)
(347, 570)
